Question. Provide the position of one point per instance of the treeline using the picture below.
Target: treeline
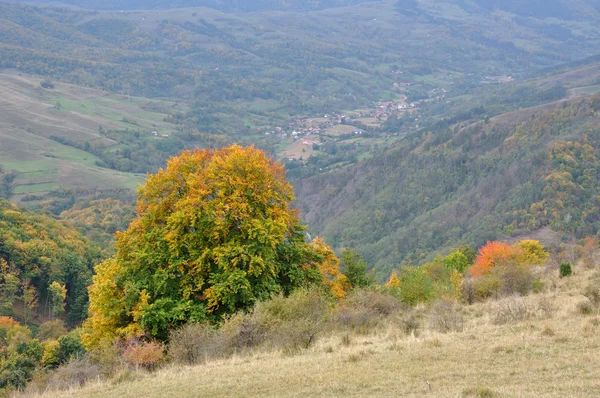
(144, 152)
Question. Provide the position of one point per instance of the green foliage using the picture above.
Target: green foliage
(416, 286)
(458, 261)
(355, 269)
(565, 270)
(51, 330)
(398, 211)
(214, 234)
(57, 294)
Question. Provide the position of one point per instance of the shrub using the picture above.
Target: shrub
(147, 355)
(294, 322)
(585, 308)
(446, 317)
(51, 330)
(363, 310)
(6, 324)
(565, 270)
(47, 84)
(592, 292)
(410, 324)
(50, 358)
(70, 346)
(486, 286)
(504, 280)
(195, 343)
(511, 309)
(415, 286)
(479, 392)
(74, 374)
(515, 279)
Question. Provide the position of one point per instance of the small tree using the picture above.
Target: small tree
(355, 269)
(29, 298)
(57, 295)
(565, 270)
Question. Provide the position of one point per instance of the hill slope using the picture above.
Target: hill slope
(544, 350)
(465, 182)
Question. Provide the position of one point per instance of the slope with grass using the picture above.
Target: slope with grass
(33, 120)
(537, 346)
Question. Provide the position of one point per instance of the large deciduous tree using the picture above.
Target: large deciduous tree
(214, 233)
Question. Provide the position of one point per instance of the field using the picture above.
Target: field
(31, 116)
(549, 352)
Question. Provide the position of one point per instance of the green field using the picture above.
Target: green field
(29, 119)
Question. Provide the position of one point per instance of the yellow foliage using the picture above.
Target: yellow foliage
(533, 251)
(108, 309)
(394, 281)
(330, 270)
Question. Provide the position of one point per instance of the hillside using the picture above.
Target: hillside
(227, 6)
(396, 148)
(35, 252)
(467, 181)
(537, 346)
(35, 124)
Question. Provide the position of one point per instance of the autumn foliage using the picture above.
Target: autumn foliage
(528, 252)
(214, 234)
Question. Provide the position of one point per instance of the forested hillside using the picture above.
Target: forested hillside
(45, 267)
(407, 146)
(470, 183)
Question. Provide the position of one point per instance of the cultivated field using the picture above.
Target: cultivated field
(30, 116)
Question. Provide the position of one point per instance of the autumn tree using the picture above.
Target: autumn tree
(329, 266)
(214, 234)
(490, 255)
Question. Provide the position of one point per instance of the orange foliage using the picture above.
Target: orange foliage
(492, 254)
(8, 322)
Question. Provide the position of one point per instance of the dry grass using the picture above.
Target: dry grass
(552, 352)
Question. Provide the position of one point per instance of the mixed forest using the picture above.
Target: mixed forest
(199, 180)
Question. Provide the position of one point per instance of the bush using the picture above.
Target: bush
(147, 355)
(504, 280)
(195, 343)
(51, 330)
(446, 317)
(74, 374)
(51, 359)
(511, 309)
(47, 84)
(363, 310)
(416, 286)
(70, 346)
(592, 292)
(410, 324)
(288, 323)
(565, 270)
(294, 322)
